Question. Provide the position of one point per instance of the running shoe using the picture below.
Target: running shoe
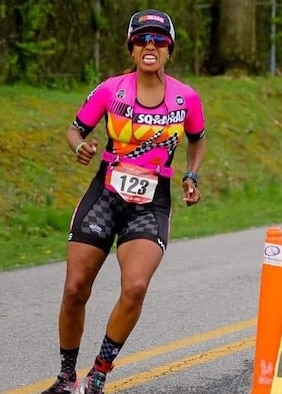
(96, 378)
(63, 385)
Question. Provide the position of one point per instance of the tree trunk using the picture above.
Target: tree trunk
(96, 51)
(235, 37)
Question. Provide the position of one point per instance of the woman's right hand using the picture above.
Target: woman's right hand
(86, 151)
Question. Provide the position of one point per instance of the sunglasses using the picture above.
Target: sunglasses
(159, 41)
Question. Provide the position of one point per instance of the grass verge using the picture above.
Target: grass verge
(40, 181)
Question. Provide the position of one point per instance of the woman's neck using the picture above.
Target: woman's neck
(151, 79)
(150, 88)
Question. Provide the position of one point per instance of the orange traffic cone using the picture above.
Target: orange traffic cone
(276, 386)
(269, 324)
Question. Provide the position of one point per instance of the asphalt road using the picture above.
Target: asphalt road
(196, 333)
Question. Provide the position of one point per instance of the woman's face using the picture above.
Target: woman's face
(150, 51)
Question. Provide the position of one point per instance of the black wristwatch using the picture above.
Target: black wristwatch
(191, 175)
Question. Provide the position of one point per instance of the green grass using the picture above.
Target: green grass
(40, 181)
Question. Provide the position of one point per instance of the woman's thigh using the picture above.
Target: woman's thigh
(138, 260)
(83, 264)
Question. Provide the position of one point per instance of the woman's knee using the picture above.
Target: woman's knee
(134, 293)
(76, 294)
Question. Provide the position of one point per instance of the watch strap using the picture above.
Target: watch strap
(191, 175)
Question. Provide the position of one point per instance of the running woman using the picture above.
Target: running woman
(146, 113)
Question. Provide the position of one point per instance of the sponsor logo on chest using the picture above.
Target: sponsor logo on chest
(172, 117)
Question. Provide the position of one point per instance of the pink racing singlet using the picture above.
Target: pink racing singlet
(141, 137)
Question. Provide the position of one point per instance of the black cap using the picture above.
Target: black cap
(144, 20)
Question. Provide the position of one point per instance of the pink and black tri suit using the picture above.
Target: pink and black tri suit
(130, 194)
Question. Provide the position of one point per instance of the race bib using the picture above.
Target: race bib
(133, 183)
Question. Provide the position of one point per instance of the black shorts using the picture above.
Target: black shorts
(101, 215)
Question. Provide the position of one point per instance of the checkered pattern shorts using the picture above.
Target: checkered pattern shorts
(102, 215)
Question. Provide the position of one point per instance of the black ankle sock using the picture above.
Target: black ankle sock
(109, 349)
(68, 362)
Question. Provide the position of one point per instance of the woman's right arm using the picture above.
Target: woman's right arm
(86, 119)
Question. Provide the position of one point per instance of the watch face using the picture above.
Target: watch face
(193, 176)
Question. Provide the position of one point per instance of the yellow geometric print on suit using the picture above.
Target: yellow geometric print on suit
(119, 128)
(126, 135)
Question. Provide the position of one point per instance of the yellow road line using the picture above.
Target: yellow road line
(184, 342)
(152, 352)
(178, 365)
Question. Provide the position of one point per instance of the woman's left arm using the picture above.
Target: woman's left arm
(195, 154)
(196, 148)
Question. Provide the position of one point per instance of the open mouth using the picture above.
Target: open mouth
(149, 59)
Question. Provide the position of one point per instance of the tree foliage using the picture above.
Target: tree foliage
(45, 41)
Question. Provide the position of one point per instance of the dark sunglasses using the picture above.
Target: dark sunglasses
(142, 40)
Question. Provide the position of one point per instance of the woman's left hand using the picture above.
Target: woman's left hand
(192, 193)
